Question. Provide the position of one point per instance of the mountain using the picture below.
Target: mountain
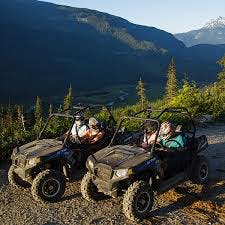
(212, 32)
(45, 47)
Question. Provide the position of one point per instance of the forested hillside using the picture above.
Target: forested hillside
(45, 47)
(19, 127)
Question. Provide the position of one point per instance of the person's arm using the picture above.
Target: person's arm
(85, 136)
(148, 140)
(97, 137)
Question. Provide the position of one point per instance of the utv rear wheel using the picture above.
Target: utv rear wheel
(15, 180)
(138, 201)
(48, 186)
(201, 171)
(88, 189)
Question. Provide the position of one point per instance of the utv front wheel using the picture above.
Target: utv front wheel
(201, 171)
(88, 189)
(15, 180)
(138, 201)
(48, 186)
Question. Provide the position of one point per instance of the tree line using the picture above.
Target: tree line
(17, 127)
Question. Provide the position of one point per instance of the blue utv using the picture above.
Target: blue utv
(45, 164)
(137, 172)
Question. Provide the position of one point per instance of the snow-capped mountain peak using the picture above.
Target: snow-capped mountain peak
(217, 23)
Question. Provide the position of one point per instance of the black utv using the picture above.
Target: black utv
(138, 172)
(45, 164)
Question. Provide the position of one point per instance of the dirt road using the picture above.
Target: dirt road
(188, 204)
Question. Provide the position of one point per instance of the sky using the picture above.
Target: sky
(174, 16)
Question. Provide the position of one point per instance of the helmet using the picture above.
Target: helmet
(79, 117)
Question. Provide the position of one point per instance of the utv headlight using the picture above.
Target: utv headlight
(90, 164)
(33, 161)
(123, 172)
(15, 151)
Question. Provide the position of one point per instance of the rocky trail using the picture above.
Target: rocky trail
(187, 204)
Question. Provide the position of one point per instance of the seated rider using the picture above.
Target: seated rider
(94, 133)
(167, 137)
(79, 129)
(149, 135)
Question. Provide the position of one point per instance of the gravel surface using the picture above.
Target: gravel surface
(187, 204)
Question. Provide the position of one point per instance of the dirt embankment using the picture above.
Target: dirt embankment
(188, 204)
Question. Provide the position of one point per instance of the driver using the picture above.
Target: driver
(79, 129)
(149, 135)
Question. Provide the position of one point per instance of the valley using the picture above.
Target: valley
(59, 45)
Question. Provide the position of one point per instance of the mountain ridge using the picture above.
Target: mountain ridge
(213, 32)
(42, 55)
(215, 23)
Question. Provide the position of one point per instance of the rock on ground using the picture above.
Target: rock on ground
(187, 204)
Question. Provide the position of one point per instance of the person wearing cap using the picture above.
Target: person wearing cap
(79, 129)
(93, 134)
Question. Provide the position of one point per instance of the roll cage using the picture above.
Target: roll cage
(156, 119)
(179, 110)
(73, 112)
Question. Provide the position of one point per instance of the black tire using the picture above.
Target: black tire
(201, 171)
(48, 186)
(15, 180)
(88, 189)
(132, 207)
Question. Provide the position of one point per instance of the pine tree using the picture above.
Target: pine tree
(141, 94)
(171, 85)
(20, 117)
(38, 114)
(50, 111)
(68, 99)
(1, 118)
(221, 75)
(9, 118)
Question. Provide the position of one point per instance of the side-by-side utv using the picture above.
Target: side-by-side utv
(45, 164)
(138, 173)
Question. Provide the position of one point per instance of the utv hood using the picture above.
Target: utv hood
(121, 156)
(40, 148)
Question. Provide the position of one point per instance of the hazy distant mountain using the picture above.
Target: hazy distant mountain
(212, 33)
(45, 47)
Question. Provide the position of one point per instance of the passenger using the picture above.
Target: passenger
(79, 129)
(94, 133)
(169, 138)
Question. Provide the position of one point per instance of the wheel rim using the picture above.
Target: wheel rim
(51, 187)
(143, 202)
(203, 172)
